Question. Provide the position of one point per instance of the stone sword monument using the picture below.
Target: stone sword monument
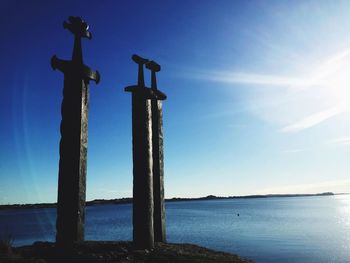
(158, 157)
(143, 235)
(143, 226)
(74, 137)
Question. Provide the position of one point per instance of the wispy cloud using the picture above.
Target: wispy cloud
(250, 78)
(312, 120)
(310, 98)
(318, 76)
(340, 141)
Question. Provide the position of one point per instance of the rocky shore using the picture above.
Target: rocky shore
(117, 252)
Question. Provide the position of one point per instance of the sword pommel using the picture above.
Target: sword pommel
(139, 60)
(153, 66)
(78, 27)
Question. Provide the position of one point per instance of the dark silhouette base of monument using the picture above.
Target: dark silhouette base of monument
(74, 137)
(147, 140)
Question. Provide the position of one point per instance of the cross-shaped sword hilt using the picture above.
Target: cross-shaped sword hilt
(79, 28)
(152, 93)
(154, 67)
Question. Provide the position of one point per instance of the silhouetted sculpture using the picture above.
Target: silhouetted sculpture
(143, 236)
(74, 138)
(143, 231)
(158, 158)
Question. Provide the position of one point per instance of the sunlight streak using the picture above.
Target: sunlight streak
(345, 210)
(317, 96)
(251, 78)
(312, 120)
(340, 141)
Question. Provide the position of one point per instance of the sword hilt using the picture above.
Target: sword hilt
(89, 74)
(60, 64)
(78, 27)
(154, 67)
(83, 71)
(140, 61)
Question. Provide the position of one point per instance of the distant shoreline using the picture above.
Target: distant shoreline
(175, 199)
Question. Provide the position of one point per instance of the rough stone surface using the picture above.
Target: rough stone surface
(74, 137)
(143, 232)
(158, 171)
(101, 251)
(73, 158)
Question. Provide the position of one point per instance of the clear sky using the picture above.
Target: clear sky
(258, 95)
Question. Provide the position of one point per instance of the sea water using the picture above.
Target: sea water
(278, 229)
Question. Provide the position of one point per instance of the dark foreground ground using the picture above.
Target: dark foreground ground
(98, 251)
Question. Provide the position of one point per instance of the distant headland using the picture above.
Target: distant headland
(128, 200)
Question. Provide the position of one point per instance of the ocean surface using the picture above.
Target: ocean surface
(278, 229)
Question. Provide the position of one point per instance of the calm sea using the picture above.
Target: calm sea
(291, 229)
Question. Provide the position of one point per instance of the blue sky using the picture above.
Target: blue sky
(258, 95)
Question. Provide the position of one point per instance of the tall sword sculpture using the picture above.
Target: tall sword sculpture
(74, 137)
(143, 231)
(143, 235)
(158, 157)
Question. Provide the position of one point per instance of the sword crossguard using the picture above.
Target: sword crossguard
(149, 93)
(75, 68)
(140, 61)
(78, 27)
(90, 74)
(60, 64)
(66, 66)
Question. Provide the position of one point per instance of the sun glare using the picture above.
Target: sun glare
(332, 79)
(344, 209)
